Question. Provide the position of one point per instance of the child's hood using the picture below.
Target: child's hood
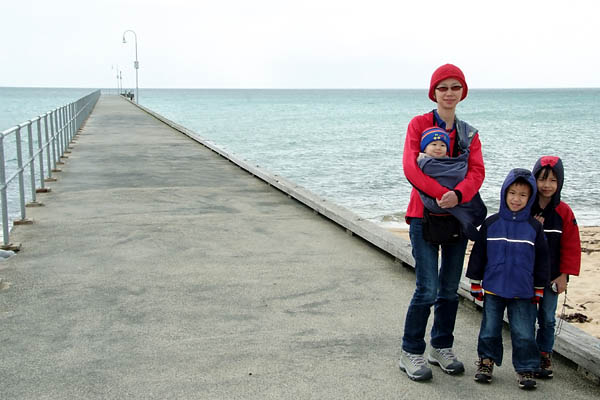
(557, 167)
(512, 176)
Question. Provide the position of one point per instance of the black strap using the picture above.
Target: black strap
(455, 150)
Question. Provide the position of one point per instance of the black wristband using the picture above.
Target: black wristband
(458, 195)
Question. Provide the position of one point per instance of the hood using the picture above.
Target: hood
(557, 167)
(512, 176)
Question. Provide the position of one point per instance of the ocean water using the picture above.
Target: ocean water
(346, 145)
(18, 105)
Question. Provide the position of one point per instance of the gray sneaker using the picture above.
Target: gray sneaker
(446, 360)
(415, 366)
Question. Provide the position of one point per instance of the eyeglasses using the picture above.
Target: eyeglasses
(454, 88)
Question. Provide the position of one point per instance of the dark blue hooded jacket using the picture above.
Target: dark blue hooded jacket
(511, 257)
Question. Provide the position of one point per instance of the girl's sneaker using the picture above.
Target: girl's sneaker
(545, 371)
(485, 368)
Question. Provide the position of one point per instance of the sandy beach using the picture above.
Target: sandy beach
(582, 305)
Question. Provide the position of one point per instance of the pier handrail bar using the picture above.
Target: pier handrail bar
(44, 151)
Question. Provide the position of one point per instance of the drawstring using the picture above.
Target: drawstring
(561, 316)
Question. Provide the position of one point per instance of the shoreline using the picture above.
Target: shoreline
(582, 304)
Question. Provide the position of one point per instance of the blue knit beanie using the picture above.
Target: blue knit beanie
(432, 134)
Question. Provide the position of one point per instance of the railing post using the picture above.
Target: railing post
(3, 196)
(70, 111)
(58, 135)
(78, 116)
(20, 175)
(48, 145)
(67, 128)
(66, 132)
(67, 125)
(56, 140)
(53, 138)
(76, 120)
(70, 131)
(31, 162)
(61, 132)
(75, 116)
(40, 151)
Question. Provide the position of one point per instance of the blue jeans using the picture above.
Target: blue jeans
(547, 321)
(434, 288)
(521, 319)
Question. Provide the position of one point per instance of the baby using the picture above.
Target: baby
(435, 143)
(449, 171)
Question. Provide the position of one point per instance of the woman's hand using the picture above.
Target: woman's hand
(448, 200)
(561, 283)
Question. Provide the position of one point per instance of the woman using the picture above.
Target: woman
(437, 288)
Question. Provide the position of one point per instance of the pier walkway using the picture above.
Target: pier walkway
(159, 270)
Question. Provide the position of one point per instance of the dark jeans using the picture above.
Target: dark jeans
(547, 321)
(521, 319)
(435, 287)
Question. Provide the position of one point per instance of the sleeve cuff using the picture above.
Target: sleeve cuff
(458, 195)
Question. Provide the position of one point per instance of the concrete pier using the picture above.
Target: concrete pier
(157, 269)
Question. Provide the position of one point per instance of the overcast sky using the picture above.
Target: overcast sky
(299, 44)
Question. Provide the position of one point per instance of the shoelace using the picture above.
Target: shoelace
(416, 359)
(448, 354)
(561, 316)
(485, 368)
(525, 376)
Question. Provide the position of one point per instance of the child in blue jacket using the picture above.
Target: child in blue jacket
(510, 264)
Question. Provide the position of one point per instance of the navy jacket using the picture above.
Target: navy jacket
(511, 257)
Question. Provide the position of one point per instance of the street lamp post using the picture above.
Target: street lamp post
(136, 64)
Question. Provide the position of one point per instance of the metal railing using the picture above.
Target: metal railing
(46, 139)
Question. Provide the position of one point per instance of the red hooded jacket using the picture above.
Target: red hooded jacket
(560, 224)
(412, 146)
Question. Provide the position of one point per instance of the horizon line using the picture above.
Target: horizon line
(292, 88)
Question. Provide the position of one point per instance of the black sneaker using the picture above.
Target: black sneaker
(485, 368)
(545, 371)
(526, 381)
